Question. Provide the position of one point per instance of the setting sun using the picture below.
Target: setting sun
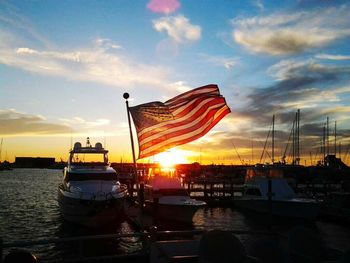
(169, 158)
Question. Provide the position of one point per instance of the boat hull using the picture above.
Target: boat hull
(307, 210)
(90, 213)
(172, 212)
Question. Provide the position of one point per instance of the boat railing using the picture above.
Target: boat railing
(80, 239)
(102, 195)
(146, 238)
(93, 196)
(155, 235)
(77, 165)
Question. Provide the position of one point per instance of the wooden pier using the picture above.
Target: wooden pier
(223, 191)
(214, 191)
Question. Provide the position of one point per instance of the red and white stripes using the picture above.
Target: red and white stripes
(194, 113)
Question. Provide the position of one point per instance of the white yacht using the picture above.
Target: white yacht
(284, 201)
(90, 193)
(166, 198)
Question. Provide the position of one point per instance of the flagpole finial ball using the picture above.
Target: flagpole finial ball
(126, 95)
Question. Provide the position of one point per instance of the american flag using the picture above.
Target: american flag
(182, 119)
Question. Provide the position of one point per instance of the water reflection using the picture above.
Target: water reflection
(29, 211)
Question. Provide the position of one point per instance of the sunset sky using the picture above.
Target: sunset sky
(64, 66)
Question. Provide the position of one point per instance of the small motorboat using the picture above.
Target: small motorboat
(166, 198)
(284, 201)
(90, 193)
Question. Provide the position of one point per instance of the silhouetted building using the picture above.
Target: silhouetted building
(332, 161)
(34, 162)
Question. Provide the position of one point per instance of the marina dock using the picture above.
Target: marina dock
(224, 191)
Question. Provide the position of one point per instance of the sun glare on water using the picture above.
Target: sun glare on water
(170, 158)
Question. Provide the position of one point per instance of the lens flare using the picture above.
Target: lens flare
(170, 158)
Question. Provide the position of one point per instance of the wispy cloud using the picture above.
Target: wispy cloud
(178, 28)
(85, 123)
(163, 6)
(259, 4)
(11, 18)
(64, 56)
(92, 64)
(107, 43)
(332, 57)
(282, 33)
(220, 61)
(292, 69)
(16, 123)
(13, 122)
(179, 86)
(101, 61)
(307, 85)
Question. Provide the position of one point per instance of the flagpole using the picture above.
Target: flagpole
(126, 96)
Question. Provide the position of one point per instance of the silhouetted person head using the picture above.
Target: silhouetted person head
(217, 246)
(20, 256)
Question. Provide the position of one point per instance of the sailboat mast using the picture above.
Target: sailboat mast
(327, 135)
(252, 151)
(335, 139)
(273, 139)
(1, 148)
(324, 143)
(295, 140)
(298, 138)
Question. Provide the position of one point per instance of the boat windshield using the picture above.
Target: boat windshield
(266, 172)
(89, 158)
(161, 172)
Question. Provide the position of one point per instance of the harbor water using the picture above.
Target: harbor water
(29, 211)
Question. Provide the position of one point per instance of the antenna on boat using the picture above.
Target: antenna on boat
(88, 144)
